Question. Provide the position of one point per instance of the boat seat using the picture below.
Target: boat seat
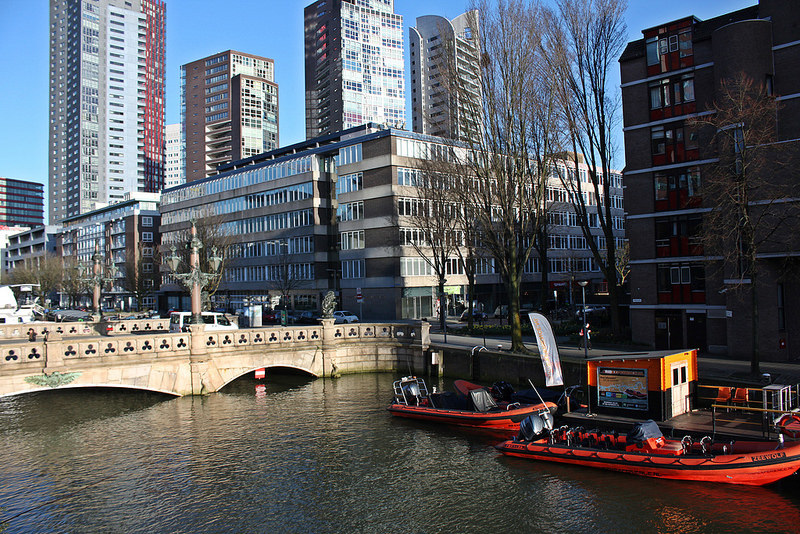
(741, 397)
(723, 395)
(671, 447)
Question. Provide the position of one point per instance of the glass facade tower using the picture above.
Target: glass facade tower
(354, 65)
(107, 71)
(229, 110)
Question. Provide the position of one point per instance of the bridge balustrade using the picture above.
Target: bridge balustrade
(108, 359)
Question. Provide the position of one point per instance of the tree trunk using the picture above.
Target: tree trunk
(442, 310)
(513, 290)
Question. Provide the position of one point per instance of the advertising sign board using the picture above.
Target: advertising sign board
(622, 388)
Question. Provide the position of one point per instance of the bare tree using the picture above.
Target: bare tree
(74, 281)
(507, 141)
(44, 272)
(585, 38)
(139, 280)
(752, 190)
(283, 275)
(623, 262)
(434, 218)
(469, 251)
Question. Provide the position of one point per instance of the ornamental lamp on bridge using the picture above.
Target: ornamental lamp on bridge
(96, 278)
(195, 278)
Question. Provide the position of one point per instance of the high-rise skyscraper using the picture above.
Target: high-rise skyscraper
(354, 65)
(439, 46)
(107, 66)
(229, 110)
(175, 173)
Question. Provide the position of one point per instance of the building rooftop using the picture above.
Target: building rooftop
(702, 29)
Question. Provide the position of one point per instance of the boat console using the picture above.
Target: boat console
(410, 391)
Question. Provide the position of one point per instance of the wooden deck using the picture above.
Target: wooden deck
(722, 425)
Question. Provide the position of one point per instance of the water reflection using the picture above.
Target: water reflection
(71, 407)
(303, 455)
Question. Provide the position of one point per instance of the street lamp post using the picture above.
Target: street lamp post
(96, 278)
(195, 277)
(583, 284)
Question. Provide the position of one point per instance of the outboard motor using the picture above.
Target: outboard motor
(411, 393)
(535, 425)
(502, 391)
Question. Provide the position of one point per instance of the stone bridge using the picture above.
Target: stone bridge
(142, 355)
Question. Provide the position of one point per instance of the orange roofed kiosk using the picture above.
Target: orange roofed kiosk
(646, 385)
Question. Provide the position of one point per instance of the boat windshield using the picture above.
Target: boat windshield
(482, 400)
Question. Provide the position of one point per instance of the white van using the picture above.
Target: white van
(180, 321)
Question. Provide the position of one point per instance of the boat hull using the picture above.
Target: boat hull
(505, 421)
(761, 464)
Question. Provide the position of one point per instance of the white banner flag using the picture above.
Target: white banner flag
(548, 349)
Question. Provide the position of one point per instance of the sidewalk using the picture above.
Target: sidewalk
(710, 367)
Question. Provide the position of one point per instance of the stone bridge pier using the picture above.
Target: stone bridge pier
(198, 362)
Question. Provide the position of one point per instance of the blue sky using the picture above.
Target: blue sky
(198, 28)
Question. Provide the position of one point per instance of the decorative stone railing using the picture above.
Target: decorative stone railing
(115, 359)
(42, 330)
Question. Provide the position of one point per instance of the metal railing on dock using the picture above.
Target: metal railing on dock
(766, 423)
(783, 397)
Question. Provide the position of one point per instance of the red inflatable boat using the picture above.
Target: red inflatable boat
(644, 451)
(470, 406)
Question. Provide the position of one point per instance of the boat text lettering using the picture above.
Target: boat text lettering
(770, 456)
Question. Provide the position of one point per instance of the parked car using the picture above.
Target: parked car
(476, 316)
(591, 311)
(501, 312)
(271, 316)
(523, 314)
(180, 321)
(275, 316)
(308, 317)
(59, 315)
(343, 316)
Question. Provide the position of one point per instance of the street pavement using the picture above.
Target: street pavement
(710, 367)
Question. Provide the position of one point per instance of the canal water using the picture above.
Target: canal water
(290, 454)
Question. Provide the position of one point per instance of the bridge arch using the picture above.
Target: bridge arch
(267, 367)
(95, 386)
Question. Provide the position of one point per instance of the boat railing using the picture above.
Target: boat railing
(410, 390)
(766, 422)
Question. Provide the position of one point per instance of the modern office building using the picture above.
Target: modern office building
(336, 213)
(174, 171)
(679, 296)
(21, 203)
(128, 237)
(6, 233)
(107, 66)
(354, 65)
(438, 45)
(28, 248)
(229, 110)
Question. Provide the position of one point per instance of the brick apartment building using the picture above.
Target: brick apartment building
(678, 298)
